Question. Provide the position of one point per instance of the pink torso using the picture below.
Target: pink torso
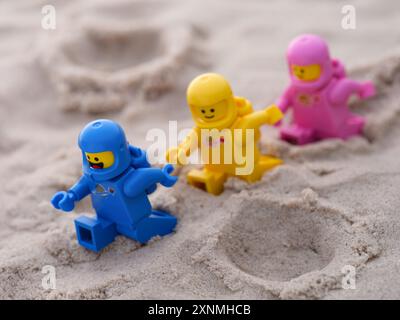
(312, 109)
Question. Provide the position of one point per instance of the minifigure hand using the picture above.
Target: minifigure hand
(367, 90)
(168, 180)
(176, 156)
(63, 200)
(274, 114)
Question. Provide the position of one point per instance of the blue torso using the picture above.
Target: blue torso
(111, 203)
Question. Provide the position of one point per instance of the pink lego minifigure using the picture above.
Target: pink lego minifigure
(318, 94)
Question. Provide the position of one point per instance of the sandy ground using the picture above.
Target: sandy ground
(330, 205)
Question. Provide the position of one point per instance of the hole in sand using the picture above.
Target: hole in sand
(276, 244)
(111, 51)
(129, 10)
(98, 68)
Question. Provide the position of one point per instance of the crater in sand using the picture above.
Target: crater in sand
(278, 245)
(99, 68)
(115, 50)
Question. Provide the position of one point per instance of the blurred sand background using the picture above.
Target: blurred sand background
(288, 236)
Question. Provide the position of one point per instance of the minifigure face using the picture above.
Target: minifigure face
(210, 114)
(310, 72)
(100, 160)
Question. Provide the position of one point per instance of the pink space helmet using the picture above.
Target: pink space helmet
(309, 49)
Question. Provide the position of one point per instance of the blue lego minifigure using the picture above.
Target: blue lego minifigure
(119, 179)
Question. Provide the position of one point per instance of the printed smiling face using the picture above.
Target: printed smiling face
(100, 160)
(310, 72)
(210, 114)
(211, 101)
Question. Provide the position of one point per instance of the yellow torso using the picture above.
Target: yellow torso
(223, 150)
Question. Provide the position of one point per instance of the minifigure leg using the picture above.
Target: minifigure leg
(355, 126)
(94, 234)
(297, 135)
(210, 181)
(158, 223)
(265, 163)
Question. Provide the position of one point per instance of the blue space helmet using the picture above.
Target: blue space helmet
(100, 136)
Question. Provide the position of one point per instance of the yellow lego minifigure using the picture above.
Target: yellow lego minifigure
(226, 133)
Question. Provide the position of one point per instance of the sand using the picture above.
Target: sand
(332, 204)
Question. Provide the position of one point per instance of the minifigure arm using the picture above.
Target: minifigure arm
(186, 147)
(80, 189)
(65, 200)
(344, 88)
(270, 115)
(284, 101)
(139, 160)
(139, 157)
(254, 120)
(142, 179)
(191, 142)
